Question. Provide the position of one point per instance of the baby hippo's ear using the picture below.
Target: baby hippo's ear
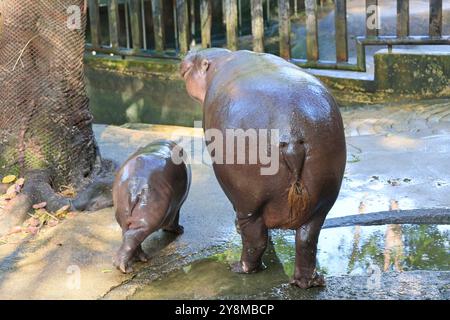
(204, 65)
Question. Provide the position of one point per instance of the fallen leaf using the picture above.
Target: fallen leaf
(394, 182)
(71, 214)
(8, 179)
(33, 222)
(68, 191)
(16, 229)
(32, 230)
(20, 182)
(11, 189)
(39, 205)
(354, 159)
(9, 196)
(17, 187)
(106, 271)
(52, 223)
(62, 210)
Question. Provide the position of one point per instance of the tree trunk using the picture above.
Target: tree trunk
(45, 124)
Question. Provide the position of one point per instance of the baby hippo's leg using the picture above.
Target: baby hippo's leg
(140, 254)
(175, 226)
(131, 245)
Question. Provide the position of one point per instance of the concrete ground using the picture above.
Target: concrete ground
(397, 152)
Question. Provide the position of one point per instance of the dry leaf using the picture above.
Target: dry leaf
(9, 196)
(39, 205)
(106, 271)
(62, 210)
(11, 189)
(68, 191)
(16, 229)
(8, 179)
(20, 182)
(52, 223)
(71, 214)
(32, 230)
(33, 222)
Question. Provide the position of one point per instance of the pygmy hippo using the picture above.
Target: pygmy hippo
(244, 91)
(148, 192)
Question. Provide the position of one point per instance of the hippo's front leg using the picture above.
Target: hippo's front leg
(254, 234)
(306, 238)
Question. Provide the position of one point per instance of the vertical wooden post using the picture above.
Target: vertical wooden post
(435, 29)
(135, 17)
(94, 19)
(284, 29)
(372, 18)
(231, 19)
(205, 22)
(183, 25)
(127, 24)
(224, 12)
(192, 19)
(175, 27)
(240, 17)
(158, 26)
(301, 5)
(257, 25)
(312, 40)
(341, 30)
(113, 17)
(402, 18)
(144, 31)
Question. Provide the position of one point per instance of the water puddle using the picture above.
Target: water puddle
(347, 251)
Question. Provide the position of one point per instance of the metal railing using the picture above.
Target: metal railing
(137, 12)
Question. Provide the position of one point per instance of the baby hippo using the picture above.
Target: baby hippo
(148, 192)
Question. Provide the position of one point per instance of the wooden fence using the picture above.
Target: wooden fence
(140, 20)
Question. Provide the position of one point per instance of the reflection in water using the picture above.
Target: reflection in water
(427, 247)
(357, 232)
(212, 278)
(393, 244)
(393, 247)
(407, 247)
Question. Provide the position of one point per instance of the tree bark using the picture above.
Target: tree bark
(46, 131)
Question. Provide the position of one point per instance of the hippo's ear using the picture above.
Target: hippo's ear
(204, 65)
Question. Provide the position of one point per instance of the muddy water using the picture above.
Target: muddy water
(360, 254)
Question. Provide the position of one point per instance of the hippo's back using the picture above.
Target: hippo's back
(153, 165)
(263, 91)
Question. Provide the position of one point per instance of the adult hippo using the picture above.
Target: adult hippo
(247, 90)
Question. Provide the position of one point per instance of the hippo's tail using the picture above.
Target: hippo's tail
(298, 197)
(138, 193)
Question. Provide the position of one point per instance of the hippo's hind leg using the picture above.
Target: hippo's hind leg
(140, 255)
(175, 226)
(254, 234)
(131, 247)
(306, 238)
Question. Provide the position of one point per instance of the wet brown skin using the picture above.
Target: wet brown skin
(248, 90)
(148, 192)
